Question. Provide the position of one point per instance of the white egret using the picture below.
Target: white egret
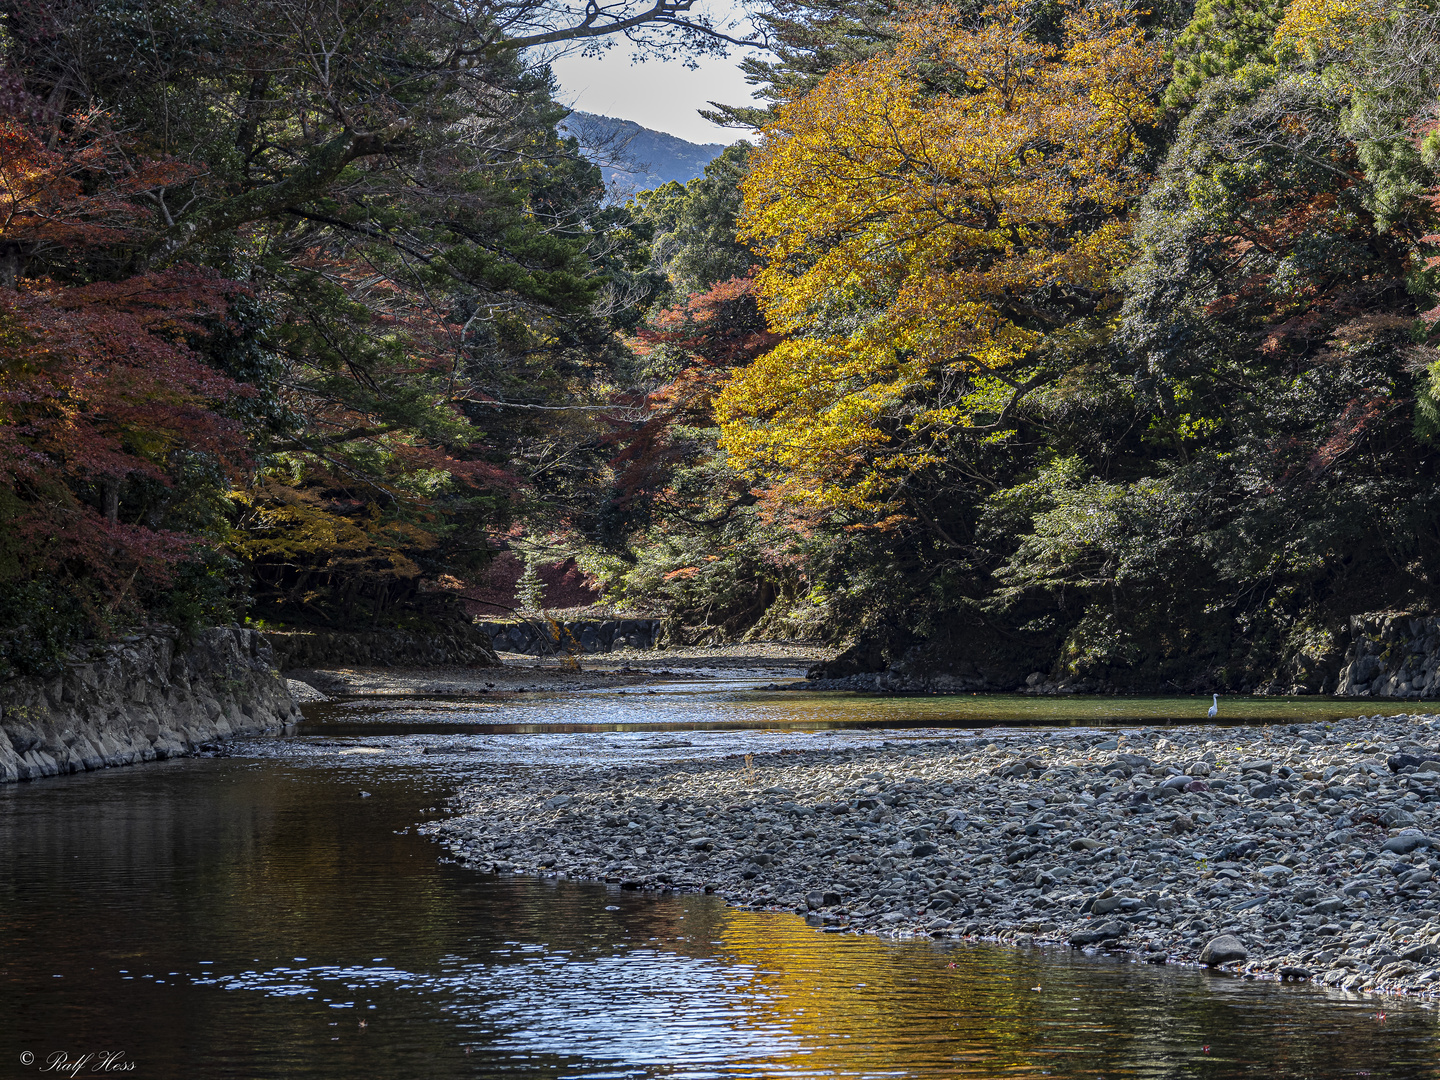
(1214, 708)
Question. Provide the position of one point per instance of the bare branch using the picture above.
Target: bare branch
(601, 21)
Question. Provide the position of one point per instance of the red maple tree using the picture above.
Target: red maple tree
(100, 381)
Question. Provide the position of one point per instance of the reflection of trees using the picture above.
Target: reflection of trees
(154, 869)
(865, 1007)
(251, 867)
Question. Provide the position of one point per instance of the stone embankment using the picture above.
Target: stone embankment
(141, 700)
(456, 645)
(1307, 852)
(1393, 656)
(543, 637)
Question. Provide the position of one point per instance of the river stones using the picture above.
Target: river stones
(1224, 949)
(303, 691)
(1097, 935)
(1300, 841)
(1406, 842)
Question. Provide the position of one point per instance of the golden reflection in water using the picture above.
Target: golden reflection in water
(859, 1006)
(685, 709)
(865, 1007)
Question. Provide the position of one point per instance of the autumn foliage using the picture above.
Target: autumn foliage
(711, 333)
(100, 383)
(1081, 337)
(928, 218)
(71, 188)
(421, 253)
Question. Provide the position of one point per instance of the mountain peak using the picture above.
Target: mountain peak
(636, 158)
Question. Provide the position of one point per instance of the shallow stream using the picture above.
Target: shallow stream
(258, 916)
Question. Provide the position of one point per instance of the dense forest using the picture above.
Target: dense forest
(1073, 337)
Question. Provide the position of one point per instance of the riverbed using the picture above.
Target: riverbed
(277, 913)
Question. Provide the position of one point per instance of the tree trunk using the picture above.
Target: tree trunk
(12, 265)
(111, 497)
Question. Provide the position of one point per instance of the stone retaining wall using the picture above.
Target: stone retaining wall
(456, 645)
(1391, 655)
(540, 638)
(141, 700)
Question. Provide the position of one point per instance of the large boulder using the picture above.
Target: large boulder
(1225, 949)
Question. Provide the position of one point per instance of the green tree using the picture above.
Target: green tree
(1222, 39)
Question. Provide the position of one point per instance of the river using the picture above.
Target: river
(274, 914)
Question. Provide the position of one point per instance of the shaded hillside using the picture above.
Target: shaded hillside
(634, 157)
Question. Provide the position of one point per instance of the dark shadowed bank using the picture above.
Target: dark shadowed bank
(1383, 654)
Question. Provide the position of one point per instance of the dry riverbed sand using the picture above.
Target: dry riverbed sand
(1308, 851)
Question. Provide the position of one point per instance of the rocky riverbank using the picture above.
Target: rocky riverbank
(1381, 654)
(142, 699)
(548, 637)
(1308, 851)
(1391, 655)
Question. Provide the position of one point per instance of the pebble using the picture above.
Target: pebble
(1307, 851)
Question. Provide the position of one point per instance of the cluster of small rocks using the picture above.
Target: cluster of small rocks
(1306, 851)
(545, 637)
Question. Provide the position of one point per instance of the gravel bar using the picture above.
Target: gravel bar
(592, 671)
(1301, 852)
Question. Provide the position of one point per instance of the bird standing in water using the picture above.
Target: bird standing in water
(1214, 708)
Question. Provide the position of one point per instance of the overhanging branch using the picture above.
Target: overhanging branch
(598, 22)
(312, 177)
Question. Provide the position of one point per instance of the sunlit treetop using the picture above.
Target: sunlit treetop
(1320, 27)
(933, 223)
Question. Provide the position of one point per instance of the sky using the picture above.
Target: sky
(658, 94)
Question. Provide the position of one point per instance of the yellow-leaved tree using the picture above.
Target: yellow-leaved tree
(939, 226)
(1317, 27)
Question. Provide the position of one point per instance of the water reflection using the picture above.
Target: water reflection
(259, 918)
(729, 717)
(866, 1009)
(731, 704)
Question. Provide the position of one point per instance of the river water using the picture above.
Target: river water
(258, 916)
